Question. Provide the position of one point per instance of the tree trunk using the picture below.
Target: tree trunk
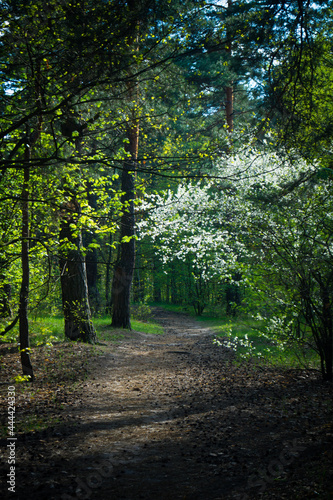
(327, 331)
(229, 91)
(108, 302)
(173, 284)
(92, 279)
(24, 292)
(124, 268)
(229, 108)
(91, 263)
(156, 282)
(31, 140)
(5, 296)
(139, 281)
(74, 287)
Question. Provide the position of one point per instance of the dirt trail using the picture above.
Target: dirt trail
(169, 417)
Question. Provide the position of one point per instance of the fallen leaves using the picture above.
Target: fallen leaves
(57, 369)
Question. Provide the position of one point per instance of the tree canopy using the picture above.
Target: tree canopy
(183, 148)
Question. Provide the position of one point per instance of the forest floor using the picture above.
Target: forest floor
(166, 417)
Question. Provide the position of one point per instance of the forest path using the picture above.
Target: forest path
(143, 402)
(169, 417)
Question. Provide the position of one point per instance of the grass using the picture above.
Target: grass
(58, 366)
(45, 330)
(36, 423)
(42, 330)
(151, 327)
(175, 308)
(243, 335)
(49, 329)
(106, 332)
(238, 333)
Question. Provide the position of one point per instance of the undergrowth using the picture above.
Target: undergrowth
(246, 337)
(50, 329)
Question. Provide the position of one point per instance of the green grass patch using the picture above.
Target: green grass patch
(184, 309)
(245, 337)
(147, 327)
(42, 330)
(34, 423)
(49, 329)
(106, 332)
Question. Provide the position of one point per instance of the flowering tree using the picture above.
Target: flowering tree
(269, 219)
(293, 268)
(187, 226)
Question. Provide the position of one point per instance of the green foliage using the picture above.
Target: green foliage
(142, 311)
(46, 330)
(247, 339)
(76, 78)
(147, 327)
(22, 379)
(268, 233)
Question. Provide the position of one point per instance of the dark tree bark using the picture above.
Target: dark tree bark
(233, 298)
(30, 140)
(124, 268)
(74, 287)
(24, 291)
(156, 283)
(320, 320)
(108, 300)
(5, 296)
(229, 108)
(229, 91)
(92, 278)
(139, 277)
(91, 264)
(327, 333)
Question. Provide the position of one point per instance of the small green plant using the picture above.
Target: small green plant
(22, 378)
(243, 346)
(35, 423)
(142, 311)
(249, 337)
(46, 330)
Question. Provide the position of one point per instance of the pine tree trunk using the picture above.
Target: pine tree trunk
(24, 292)
(92, 278)
(5, 296)
(108, 302)
(229, 108)
(229, 91)
(91, 262)
(156, 282)
(74, 287)
(327, 331)
(124, 269)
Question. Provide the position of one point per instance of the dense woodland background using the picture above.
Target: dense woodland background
(165, 151)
